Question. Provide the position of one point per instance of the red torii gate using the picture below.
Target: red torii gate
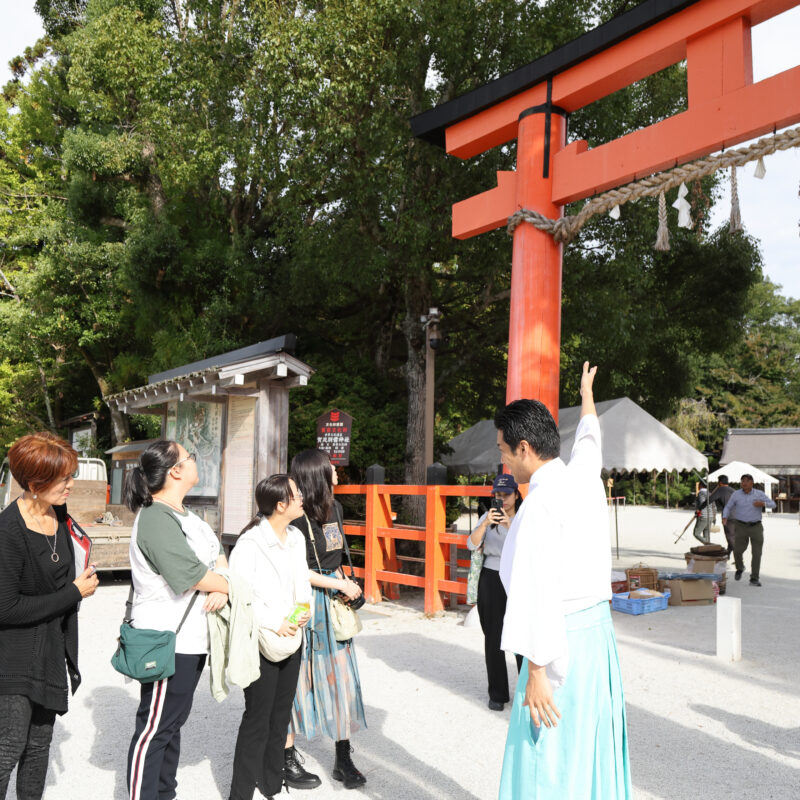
(725, 108)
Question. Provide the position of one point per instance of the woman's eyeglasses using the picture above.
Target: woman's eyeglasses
(190, 457)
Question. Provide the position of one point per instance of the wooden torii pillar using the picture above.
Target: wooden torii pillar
(531, 104)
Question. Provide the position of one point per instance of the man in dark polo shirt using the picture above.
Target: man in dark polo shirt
(720, 497)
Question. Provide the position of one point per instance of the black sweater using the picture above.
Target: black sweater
(38, 620)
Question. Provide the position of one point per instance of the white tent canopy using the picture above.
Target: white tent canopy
(633, 440)
(735, 469)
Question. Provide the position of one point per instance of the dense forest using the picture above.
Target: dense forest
(178, 179)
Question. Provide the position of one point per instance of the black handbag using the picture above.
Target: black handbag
(360, 600)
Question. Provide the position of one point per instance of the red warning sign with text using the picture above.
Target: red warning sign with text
(333, 436)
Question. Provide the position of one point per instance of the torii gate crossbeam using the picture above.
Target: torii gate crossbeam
(532, 104)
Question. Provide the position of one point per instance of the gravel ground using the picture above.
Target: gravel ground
(697, 726)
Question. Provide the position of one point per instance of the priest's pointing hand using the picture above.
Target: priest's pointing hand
(587, 393)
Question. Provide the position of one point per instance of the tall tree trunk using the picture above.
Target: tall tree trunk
(120, 425)
(46, 394)
(153, 186)
(417, 302)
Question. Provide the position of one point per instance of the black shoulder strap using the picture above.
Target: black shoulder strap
(313, 543)
(186, 613)
(128, 618)
(338, 509)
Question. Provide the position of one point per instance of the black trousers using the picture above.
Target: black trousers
(156, 745)
(730, 534)
(258, 758)
(26, 730)
(491, 610)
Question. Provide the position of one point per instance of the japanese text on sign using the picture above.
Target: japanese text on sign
(333, 436)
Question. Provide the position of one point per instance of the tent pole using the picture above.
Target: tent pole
(666, 488)
(616, 523)
(469, 502)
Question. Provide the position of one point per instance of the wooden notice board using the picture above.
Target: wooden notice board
(239, 497)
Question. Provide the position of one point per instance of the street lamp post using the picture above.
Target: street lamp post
(433, 339)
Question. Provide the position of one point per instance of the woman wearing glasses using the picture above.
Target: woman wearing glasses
(270, 554)
(173, 555)
(39, 598)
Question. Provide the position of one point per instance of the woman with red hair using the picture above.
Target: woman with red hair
(39, 598)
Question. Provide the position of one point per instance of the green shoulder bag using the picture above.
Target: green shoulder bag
(144, 654)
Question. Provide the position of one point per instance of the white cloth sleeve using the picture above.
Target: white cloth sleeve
(245, 560)
(302, 584)
(587, 453)
(534, 623)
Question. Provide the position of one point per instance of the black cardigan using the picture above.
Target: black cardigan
(38, 621)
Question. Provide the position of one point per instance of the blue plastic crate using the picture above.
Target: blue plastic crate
(646, 605)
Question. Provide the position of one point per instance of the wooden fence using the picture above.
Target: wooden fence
(382, 571)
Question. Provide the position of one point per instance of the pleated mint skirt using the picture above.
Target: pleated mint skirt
(586, 756)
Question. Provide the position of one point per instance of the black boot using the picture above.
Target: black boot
(294, 774)
(344, 769)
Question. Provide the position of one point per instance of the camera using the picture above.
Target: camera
(354, 604)
(359, 601)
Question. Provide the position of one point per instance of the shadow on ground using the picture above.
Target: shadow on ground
(709, 762)
(781, 740)
(392, 772)
(400, 651)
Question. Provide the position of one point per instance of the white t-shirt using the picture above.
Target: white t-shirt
(170, 552)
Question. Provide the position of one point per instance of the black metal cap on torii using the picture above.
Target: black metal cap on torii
(432, 124)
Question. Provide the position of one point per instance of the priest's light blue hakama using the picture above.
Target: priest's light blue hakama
(586, 756)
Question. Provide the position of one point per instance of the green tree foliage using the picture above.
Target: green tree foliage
(181, 178)
(650, 317)
(755, 381)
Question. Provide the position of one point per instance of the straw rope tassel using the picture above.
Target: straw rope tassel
(736, 215)
(662, 237)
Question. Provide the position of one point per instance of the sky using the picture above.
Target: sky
(770, 207)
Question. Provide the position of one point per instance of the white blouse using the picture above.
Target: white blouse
(557, 555)
(277, 571)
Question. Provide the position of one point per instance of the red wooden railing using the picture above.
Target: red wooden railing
(382, 566)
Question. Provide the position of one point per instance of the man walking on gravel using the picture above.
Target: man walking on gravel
(745, 506)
